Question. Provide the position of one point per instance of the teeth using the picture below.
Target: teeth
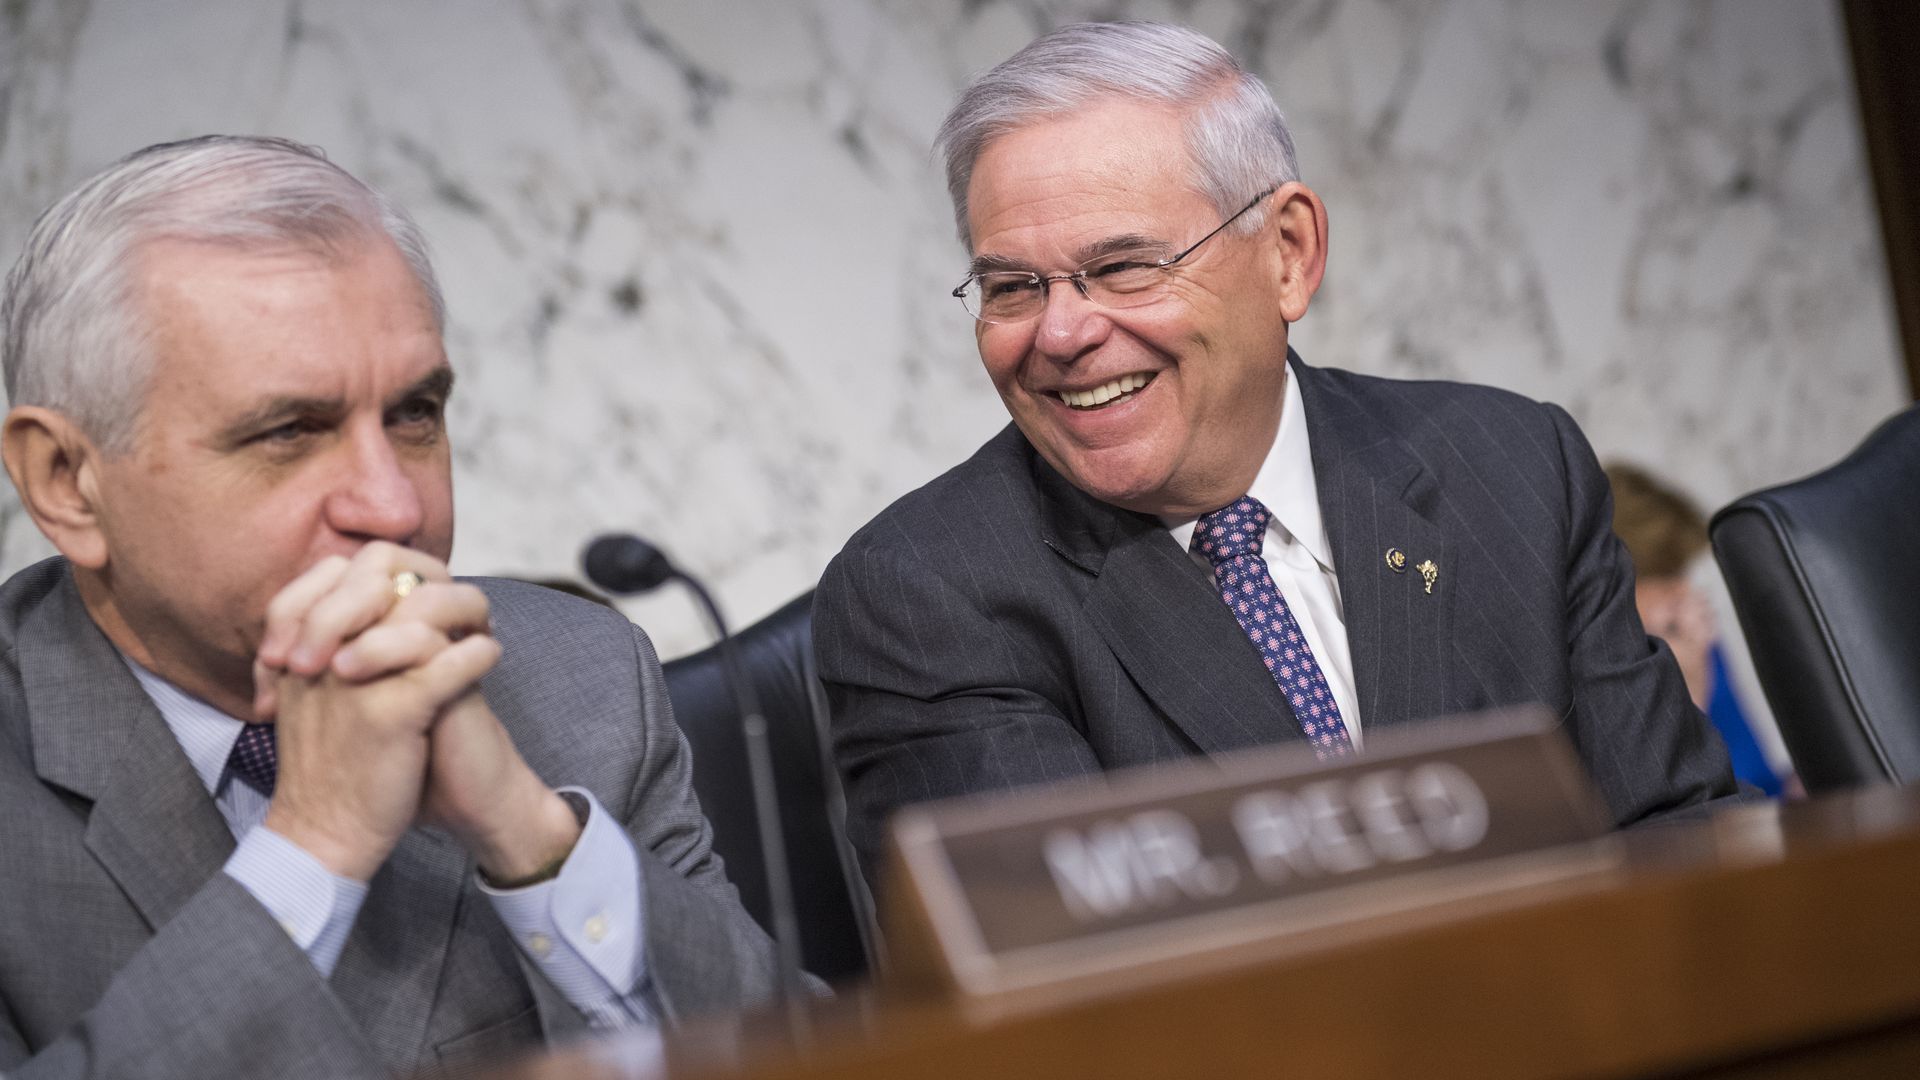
(1100, 395)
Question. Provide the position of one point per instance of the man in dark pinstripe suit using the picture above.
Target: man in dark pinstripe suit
(1141, 244)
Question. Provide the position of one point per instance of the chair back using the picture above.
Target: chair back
(1825, 578)
(830, 901)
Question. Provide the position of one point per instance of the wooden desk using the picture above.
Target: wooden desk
(1768, 942)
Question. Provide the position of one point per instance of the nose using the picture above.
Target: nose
(1069, 324)
(374, 497)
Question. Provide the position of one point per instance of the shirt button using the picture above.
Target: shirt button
(540, 945)
(597, 929)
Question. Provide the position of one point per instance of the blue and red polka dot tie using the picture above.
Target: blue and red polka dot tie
(254, 759)
(1230, 538)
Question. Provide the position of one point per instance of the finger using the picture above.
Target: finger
(291, 604)
(454, 608)
(266, 693)
(361, 597)
(388, 648)
(455, 669)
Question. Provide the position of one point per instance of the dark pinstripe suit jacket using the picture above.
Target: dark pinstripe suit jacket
(999, 627)
(125, 952)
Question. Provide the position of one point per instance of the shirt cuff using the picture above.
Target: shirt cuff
(315, 906)
(583, 928)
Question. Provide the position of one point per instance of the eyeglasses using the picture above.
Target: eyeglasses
(1112, 281)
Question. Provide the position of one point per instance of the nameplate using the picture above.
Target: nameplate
(1000, 893)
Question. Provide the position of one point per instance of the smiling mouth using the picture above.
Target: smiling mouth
(1106, 394)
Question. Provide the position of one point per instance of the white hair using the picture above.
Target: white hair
(73, 338)
(1236, 137)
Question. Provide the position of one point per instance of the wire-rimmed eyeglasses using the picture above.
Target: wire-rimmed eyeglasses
(1114, 281)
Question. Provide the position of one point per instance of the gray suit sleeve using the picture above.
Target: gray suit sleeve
(220, 990)
(1650, 749)
(931, 697)
(704, 953)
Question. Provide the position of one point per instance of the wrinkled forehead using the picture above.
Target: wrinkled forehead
(1114, 166)
(234, 323)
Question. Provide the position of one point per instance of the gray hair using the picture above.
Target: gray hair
(1236, 136)
(73, 340)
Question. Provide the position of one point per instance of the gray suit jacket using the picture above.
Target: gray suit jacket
(124, 951)
(999, 627)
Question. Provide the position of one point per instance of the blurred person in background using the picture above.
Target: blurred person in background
(1666, 534)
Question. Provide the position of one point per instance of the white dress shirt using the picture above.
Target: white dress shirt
(1298, 554)
(583, 928)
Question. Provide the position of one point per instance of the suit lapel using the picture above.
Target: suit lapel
(1377, 497)
(153, 827)
(157, 833)
(1158, 611)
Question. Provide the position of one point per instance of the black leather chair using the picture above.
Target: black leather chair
(1825, 577)
(830, 900)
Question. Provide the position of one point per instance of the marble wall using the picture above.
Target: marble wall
(697, 254)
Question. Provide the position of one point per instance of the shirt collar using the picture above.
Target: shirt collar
(205, 733)
(1285, 484)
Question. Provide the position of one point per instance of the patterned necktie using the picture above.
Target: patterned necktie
(1230, 538)
(254, 759)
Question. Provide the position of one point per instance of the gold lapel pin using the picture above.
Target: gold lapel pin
(1429, 573)
(1397, 560)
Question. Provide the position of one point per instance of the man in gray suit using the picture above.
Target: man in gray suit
(1389, 551)
(283, 798)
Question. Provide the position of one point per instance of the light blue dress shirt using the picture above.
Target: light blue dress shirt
(582, 928)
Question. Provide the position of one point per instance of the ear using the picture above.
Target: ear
(1297, 227)
(55, 468)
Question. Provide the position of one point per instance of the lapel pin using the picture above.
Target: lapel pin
(1429, 573)
(1397, 560)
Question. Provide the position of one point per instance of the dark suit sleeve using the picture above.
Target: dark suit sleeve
(931, 696)
(1649, 748)
(220, 990)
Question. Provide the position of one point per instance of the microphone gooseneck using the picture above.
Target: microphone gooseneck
(624, 564)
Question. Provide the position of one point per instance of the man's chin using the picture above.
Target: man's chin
(1128, 485)
(1126, 474)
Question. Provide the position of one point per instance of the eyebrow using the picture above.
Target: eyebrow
(1099, 249)
(436, 383)
(996, 264)
(1115, 245)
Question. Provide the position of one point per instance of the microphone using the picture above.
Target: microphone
(624, 564)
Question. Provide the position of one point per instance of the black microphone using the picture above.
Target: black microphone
(624, 564)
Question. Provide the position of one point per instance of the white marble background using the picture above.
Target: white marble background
(697, 254)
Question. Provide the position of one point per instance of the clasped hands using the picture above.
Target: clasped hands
(380, 724)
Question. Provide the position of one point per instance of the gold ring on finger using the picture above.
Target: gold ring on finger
(405, 582)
